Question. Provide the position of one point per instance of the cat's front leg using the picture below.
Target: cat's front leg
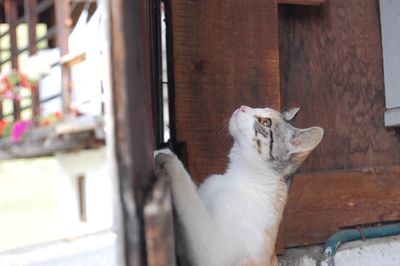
(199, 226)
(184, 191)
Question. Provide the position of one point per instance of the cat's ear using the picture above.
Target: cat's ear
(290, 113)
(305, 140)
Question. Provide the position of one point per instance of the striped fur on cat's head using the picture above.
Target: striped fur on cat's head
(265, 135)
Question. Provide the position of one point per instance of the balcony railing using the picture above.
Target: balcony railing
(28, 27)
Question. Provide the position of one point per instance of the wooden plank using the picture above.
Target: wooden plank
(10, 9)
(62, 10)
(130, 56)
(70, 60)
(32, 18)
(302, 2)
(320, 203)
(225, 54)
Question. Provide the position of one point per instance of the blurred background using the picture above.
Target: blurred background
(55, 181)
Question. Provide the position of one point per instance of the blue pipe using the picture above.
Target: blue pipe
(347, 235)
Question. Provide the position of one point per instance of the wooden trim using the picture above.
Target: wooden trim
(302, 2)
(320, 203)
(70, 60)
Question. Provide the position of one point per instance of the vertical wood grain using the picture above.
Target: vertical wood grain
(331, 61)
(131, 80)
(225, 55)
(62, 12)
(331, 66)
(31, 17)
(11, 12)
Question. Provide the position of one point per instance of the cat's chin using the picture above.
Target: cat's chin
(239, 124)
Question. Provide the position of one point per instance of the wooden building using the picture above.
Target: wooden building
(324, 56)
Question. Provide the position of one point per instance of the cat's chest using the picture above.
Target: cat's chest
(242, 203)
(247, 214)
(244, 216)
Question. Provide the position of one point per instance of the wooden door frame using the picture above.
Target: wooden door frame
(133, 127)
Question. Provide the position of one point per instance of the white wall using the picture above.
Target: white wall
(93, 166)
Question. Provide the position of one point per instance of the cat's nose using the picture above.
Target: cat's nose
(243, 108)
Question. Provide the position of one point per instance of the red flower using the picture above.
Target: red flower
(24, 81)
(45, 122)
(3, 124)
(58, 115)
(5, 82)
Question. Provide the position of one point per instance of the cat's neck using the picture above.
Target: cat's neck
(251, 169)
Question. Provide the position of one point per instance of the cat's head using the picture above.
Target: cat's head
(265, 135)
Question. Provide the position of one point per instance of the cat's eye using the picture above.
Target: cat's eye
(266, 122)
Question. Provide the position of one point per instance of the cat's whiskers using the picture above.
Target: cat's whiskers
(221, 131)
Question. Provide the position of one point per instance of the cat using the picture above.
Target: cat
(233, 219)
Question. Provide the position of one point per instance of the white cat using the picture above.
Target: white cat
(233, 219)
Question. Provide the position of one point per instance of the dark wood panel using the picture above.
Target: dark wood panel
(225, 55)
(320, 203)
(133, 128)
(302, 2)
(331, 66)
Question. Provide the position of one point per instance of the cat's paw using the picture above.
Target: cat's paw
(166, 163)
(166, 151)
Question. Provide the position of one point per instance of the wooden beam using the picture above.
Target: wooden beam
(62, 10)
(11, 12)
(31, 18)
(320, 203)
(70, 60)
(131, 79)
(302, 2)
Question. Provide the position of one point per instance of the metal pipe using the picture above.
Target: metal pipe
(347, 235)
